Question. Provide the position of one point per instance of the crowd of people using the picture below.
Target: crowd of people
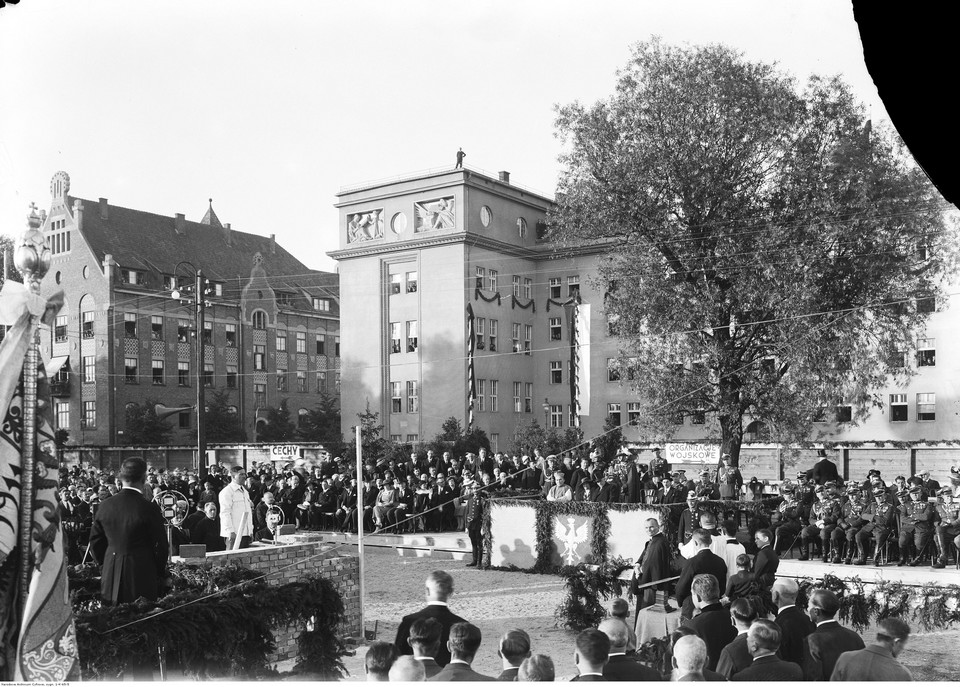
(744, 641)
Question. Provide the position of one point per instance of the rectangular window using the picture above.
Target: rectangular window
(927, 352)
(183, 373)
(556, 372)
(516, 286)
(396, 397)
(926, 304)
(281, 341)
(89, 419)
(517, 404)
(413, 398)
(844, 413)
(395, 345)
(301, 381)
(395, 280)
(231, 376)
(494, 393)
(63, 414)
(495, 442)
(528, 398)
(89, 368)
(481, 395)
(208, 375)
(527, 339)
(481, 277)
(926, 407)
(898, 408)
(412, 337)
(527, 288)
(183, 331)
(412, 282)
(480, 326)
(60, 329)
(573, 286)
(183, 420)
(494, 333)
(169, 282)
(492, 280)
(281, 380)
(301, 342)
(259, 357)
(556, 416)
(156, 327)
(218, 289)
(321, 382)
(207, 333)
(633, 413)
(555, 287)
(556, 329)
(321, 304)
(613, 413)
(129, 325)
(259, 395)
(413, 438)
(516, 337)
(321, 344)
(396, 438)
(336, 348)
(231, 334)
(129, 370)
(613, 370)
(157, 366)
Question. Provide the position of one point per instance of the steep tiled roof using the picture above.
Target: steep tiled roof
(145, 241)
(211, 217)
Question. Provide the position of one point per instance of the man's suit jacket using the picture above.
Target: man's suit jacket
(588, 678)
(129, 540)
(438, 612)
(875, 663)
(713, 626)
(460, 672)
(430, 667)
(769, 669)
(795, 625)
(623, 668)
(825, 471)
(823, 647)
(705, 562)
(765, 567)
(509, 675)
(734, 657)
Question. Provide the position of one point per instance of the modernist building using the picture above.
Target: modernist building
(415, 252)
(270, 330)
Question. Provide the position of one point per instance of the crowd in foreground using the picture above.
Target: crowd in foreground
(742, 642)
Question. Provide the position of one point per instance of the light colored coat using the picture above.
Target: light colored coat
(234, 502)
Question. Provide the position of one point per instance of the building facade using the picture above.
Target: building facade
(415, 252)
(270, 329)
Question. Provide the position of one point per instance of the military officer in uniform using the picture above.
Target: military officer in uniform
(789, 522)
(805, 491)
(947, 527)
(824, 515)
(916, 522)
(689, 519)
(848, 525)
(879, 517)
(730, 480)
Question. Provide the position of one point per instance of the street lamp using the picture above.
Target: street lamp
(546, 414)
(198, 300)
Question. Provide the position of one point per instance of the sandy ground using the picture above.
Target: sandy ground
(498, 601)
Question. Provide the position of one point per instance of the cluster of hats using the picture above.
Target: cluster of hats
(945, 491)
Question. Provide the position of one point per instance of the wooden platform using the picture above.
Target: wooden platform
(920, 575)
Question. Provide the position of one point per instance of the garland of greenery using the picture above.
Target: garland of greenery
(569, 301)
(516, 303)
(544, 540)
(587, 586)
(227, 634)
(478, 294)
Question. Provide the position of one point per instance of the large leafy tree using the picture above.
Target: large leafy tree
(279, 425)
(770, 257)
(322, 424)
(221, 422)
(143, 427)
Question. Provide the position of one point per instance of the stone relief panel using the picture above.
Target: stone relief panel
(365, 226)
(435, 214)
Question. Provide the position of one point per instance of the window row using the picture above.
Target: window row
(398, 397)
(615, 413)
(488, 279)
(926, 408)
(403, 283)
(399, 345)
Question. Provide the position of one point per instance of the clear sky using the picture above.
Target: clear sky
(269, 107)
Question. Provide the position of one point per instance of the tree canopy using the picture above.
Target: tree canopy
(772, 255)
(143, 427)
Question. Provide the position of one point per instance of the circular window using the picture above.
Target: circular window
(485, 216)
(57, 277)
(522, 227)
(86, 271)
(398, 223)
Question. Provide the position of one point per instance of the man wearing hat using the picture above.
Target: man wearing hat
(825, 469)
(789, 526)
(848, 525)
(930, 486)
(805, 494)
(947, 527)
(729, 478)
(659, 465)
(609, 491)
(689, 519)
(879, 517)
(916, 523)
(705, 488)
(824, 515)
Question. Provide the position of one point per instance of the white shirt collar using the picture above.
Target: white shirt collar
(437, 603)
(824, 622)
(139, 491)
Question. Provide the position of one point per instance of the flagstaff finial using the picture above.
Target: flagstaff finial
(32, 256)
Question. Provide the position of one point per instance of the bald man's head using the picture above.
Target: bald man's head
(616, 631)
(407, 669)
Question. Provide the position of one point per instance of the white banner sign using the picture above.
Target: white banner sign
(693, 453)
(284, 452)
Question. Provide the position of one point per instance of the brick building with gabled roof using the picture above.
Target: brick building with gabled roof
(271, 326)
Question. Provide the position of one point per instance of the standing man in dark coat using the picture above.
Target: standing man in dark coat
(765, 564)
(704, 561)
(824, 645)
(652, 565)
(473, 517)
(439, 587)
(129, 541)
(763, 638)
(620, 667)
(712, 624)
(793, 623)
(825, 470)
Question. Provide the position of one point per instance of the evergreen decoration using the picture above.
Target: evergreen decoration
(587, 587)
(215, 622)
(479, 294)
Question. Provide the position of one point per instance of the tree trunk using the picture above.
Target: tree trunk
(731, 437)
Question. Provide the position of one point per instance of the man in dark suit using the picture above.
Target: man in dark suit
(766, 562)
(424, 639)
(439, 588)
(129, 541)
(793, 623)
(823, 646)
(877, 662)
(620, 667)
(689, 660)
(652, 565)
(473, 517)
(712, 625)
(704, 561)
(736, 655)
(514, 648)
(591, 655)
(825, 470)
(463, 645)
(763, 639)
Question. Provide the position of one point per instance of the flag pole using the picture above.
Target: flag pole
(359, 437)
(32, 258)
